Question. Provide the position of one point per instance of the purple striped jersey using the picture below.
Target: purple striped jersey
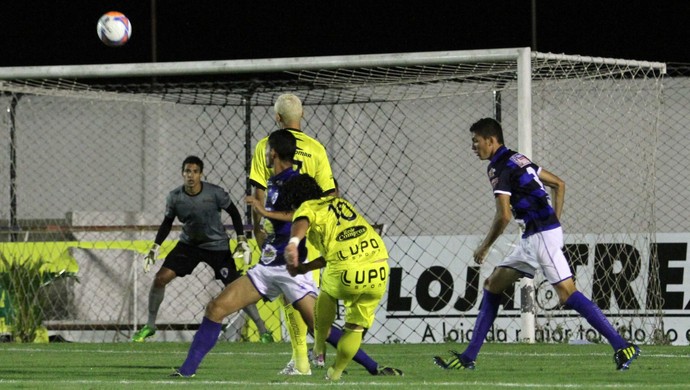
(277, 240)
(513, 174)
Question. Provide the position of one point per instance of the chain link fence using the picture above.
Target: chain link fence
(88, 169)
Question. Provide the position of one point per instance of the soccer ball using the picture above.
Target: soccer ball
(114, 29)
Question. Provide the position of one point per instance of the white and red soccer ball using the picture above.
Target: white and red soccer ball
(114, 29)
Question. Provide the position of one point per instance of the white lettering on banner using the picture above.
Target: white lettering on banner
(435, 288)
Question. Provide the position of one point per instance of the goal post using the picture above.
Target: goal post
(100, 145)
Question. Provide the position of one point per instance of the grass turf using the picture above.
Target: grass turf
(256, 366)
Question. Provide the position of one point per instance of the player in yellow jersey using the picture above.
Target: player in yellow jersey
(355, 260)
(310, 158)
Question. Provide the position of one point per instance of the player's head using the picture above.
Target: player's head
(488, 127)
(283, 144)
(288, 109)
(192, 168)
(487, 137)
(193, 160)
(298, 190)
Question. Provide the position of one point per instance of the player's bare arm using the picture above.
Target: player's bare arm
(500, 221)
(257, 206)
(557, 187)
(303, 268)
(259, 235)
(297, 233)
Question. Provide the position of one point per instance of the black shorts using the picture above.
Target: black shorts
(184, 258)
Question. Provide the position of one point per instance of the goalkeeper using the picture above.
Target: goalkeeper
(197, 205)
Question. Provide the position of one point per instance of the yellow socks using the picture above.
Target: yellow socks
(347, 348)
(324, 315)
(297, 329)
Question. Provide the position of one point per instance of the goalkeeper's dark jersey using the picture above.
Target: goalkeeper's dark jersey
(513, 174)
(200, 216)
(277, 240)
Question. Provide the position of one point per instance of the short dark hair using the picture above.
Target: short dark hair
(193, 160)
(488, 127)
(298, 190)
(284, 143)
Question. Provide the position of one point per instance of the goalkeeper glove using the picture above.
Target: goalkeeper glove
(242, 250)
(150, 258)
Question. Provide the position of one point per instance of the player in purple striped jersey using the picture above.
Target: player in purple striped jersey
(519, 188)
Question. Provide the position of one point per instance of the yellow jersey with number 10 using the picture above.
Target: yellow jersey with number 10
(344, 238)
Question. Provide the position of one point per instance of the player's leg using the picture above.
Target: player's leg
(347, 348)
(292, 334)
(156, 296)
(294, 321)
(177, 263)
(361, 357)
(547, 246)
(225, 270)
(234, 296)
(303, 311)
(362, 313)
(360, 309)
(520, 262)
(624, 352)
(297, 329)
(264, 334)
(324, 316)
(298, 296)
(572, 298)
(331, 334)
(499, 280)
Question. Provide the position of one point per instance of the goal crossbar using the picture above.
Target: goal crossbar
(192, 68)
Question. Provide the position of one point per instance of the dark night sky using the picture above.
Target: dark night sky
(45, 32)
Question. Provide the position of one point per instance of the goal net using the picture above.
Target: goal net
(92, 151)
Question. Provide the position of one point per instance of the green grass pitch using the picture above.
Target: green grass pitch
(256, 366)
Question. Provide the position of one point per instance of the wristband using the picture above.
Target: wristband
(294, 240)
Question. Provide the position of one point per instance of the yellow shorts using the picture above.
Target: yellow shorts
(360, 289)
